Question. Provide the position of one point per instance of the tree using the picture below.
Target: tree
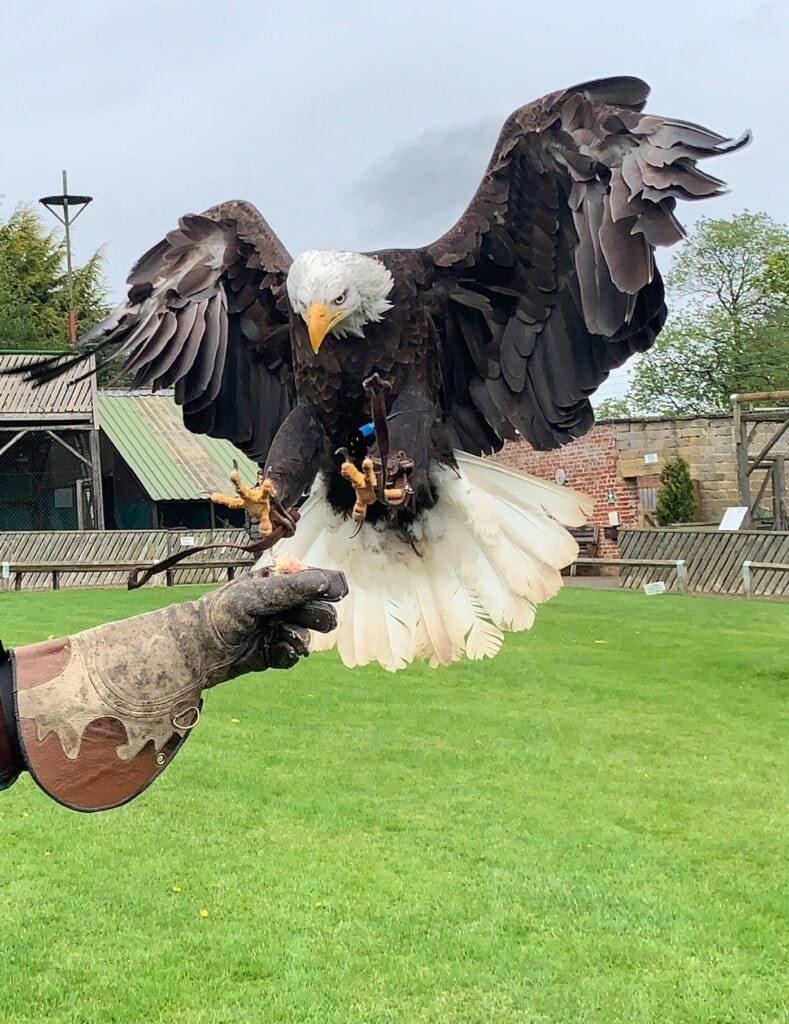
(33, 288)
(729, 329)
(613, 409)
(676, 501)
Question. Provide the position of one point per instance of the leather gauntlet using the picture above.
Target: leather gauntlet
(100, 714)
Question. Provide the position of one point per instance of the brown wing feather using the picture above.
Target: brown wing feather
(548, 280)
(206, 313)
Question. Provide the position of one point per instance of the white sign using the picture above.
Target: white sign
(650, 589)
(613, 519)
(733, 517)
(651, 459)
(187, 542)
(6, 570)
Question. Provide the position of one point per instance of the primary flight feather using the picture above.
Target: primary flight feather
(500, 329)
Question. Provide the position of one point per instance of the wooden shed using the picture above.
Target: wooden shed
(156, 473)
(50, 476)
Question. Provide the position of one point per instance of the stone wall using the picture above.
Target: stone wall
(617, 458)
(707, 442)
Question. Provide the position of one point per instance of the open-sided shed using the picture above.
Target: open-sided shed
(50, 476)
(158, 474)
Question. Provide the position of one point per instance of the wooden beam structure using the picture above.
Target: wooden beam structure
(766, 460)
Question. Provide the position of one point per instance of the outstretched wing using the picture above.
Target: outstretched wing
(207, 314)
(548, 280)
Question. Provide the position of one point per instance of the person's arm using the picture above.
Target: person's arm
(95, 717)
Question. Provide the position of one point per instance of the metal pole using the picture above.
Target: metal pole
(67, 203)
(72, 316)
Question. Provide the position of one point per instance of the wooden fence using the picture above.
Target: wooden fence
(713, 559)
(104, 546)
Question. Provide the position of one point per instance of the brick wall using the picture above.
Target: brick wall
(590, 465)
(609, 463)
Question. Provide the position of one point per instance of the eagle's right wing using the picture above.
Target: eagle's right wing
(206, 313)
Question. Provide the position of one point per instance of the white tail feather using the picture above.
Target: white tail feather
(489, 551)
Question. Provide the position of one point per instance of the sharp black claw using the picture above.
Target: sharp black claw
(282, 517)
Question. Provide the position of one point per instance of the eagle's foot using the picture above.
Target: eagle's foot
(257, 501)
(364, 483)
(399, 468)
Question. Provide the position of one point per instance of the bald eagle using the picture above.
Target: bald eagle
(501, 329)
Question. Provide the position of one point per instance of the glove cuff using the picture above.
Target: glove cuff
(85, 747)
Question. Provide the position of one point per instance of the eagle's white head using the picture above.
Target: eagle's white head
(338, 292)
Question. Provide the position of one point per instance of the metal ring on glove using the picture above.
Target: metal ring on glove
(179, 714)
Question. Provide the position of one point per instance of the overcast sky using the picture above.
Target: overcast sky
(350, 124)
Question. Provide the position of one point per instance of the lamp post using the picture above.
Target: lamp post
(66, 203)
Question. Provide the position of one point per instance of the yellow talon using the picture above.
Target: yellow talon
(364, 484)
(255, 500)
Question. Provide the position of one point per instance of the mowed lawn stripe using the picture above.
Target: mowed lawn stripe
(591, 827)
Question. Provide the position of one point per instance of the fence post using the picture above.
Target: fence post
(682, 579)
(746, 578)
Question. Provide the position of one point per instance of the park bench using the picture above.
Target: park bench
(586, 537)
(677, 564)
(748, 568)
(18, 570)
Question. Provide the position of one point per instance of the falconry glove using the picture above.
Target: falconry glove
(95, 717)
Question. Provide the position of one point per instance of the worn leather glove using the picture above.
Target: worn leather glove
(252, 624)
(130, 691)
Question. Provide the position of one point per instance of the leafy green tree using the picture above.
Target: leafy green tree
(676, 500)
(776, 272)
(33, 287)
(729, 289)
(613, 409)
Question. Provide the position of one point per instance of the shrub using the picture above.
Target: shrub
(676, 500)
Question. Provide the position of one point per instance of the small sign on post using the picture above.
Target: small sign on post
(733, 517)
(6, 570)
(651, 589)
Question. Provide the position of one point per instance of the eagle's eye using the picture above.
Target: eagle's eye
(340, 298)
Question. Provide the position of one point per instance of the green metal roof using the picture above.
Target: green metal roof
(171, 463)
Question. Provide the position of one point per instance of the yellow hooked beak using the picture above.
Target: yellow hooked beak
(319, 322)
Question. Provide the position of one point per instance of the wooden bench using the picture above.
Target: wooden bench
(748, 568)
(677, 564)
(587, 537)
(18, 570)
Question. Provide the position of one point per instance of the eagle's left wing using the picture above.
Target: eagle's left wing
(548, 280)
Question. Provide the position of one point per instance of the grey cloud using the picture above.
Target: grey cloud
(332, 118)
(418, 191)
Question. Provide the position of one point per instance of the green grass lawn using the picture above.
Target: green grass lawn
(588, 828)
